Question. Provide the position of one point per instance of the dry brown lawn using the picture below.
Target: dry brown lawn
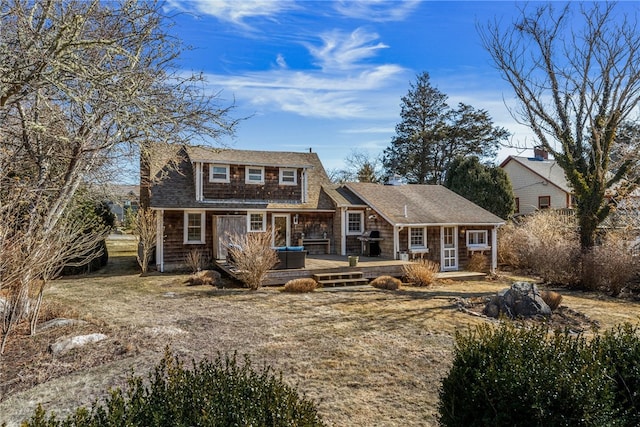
(366, 356)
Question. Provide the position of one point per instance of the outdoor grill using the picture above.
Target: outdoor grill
(370, 243)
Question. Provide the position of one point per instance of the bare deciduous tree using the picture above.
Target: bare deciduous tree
(28, 260)
(575, 71)
(361, 167)
(145, 227)
(82, 84)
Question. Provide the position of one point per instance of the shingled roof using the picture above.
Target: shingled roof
(549, 170)
(177, 190)
(414, 204)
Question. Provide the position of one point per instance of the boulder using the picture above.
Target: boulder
(67, 344)
(522, 299)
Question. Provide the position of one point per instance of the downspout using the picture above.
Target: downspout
(304, 186)
(199, 182)
(160, 241)
(494, 249)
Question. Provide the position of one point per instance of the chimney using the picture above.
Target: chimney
(539, 153)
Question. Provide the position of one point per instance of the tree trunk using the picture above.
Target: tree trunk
(588, 225)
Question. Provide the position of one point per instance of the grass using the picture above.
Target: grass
(367, 357)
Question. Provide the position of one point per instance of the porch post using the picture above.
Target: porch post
(494, 249)
(396, 241)
(343, 231)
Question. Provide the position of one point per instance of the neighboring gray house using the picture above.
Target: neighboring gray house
(122, 198)
(538, 183)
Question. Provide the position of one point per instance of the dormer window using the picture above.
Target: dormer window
(288, 177)
(219, 173)
(254, 175)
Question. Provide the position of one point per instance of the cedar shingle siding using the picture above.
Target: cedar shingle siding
(237, 189)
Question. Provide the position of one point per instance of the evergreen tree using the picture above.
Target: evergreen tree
(431, 134)
(486, 186)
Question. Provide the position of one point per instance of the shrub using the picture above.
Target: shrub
(508, 245)
(204, 277)
(620, 350)
(219, 393)
(306, 284)
(194, 260)
(551, 298)
(421, 273)
(609, 266)
(252, 256)
(525, 376)
(478, 262)
(545, 242)
(386, 282)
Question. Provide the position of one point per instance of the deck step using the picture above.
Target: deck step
(343, 282)
(344, 278)
(338, 275)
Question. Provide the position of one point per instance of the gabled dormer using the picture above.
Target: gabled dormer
(223, 176)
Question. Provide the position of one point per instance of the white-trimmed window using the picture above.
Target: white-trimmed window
(219, 173)
(355, 223)
(477, 239)
(256, 221)
(254, 175)
(288, 177)
(417, 238)
(544, 202)
(194, 226)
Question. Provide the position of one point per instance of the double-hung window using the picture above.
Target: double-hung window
(544, 202)
(194, 227)
(219, 173)
(417, 238)
(254, 175)
(477, 239)
(256, 221)
(355, 223)
(288, 177)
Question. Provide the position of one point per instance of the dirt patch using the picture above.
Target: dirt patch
(367, 356)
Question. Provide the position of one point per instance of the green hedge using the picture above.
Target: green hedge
(219, 393)
(529, 377)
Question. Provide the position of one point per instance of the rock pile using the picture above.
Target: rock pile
(522, 299)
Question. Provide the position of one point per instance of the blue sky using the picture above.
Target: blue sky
(329, 75)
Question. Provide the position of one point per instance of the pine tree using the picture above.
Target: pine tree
(486, 186)
(431, 134)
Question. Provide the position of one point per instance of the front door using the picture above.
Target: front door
(449, 248)
(281, 230)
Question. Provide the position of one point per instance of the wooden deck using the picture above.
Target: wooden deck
(371, 267)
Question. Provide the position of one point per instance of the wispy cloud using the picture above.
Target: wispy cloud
(342, 75)
(234, 11)
(371, 130)
(376, 10)
(312, 94)
(344, 85)
(342, 51)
